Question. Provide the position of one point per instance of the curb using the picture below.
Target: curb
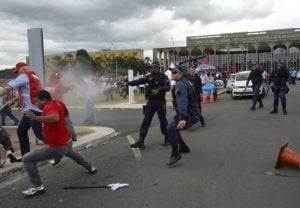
(83, 143)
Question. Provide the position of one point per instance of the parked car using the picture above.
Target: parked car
(239, 86)
(229, 83)
(298, 75)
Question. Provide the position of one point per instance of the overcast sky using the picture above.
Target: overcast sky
(69, 25)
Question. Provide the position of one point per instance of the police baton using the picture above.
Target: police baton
(245, 90)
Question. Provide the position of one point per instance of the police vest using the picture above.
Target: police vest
(155, 81)
(256, 76)
(193, 102)
(34, 87)
(279, 77)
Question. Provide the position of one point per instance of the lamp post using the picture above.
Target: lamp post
(173, 56)
(115, 49)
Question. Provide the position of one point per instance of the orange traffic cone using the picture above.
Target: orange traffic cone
(204, 99)
(212, 98)
(288, 157)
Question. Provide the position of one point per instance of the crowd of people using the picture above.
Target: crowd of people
(45, 112)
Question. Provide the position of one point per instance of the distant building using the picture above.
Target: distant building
(238, 50)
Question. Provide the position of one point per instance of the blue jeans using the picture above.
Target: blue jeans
(23, 129)
(89, 110)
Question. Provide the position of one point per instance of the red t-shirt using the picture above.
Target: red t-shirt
(56, 134)
(57, 90)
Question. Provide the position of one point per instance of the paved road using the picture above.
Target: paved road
(226, 168)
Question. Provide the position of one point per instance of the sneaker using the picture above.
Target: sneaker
(34, 191)
(11, 157)
(2, 162)
(174, 159)
(138, 145)
(93, 170)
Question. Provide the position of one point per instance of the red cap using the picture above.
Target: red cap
(55, 75)
(18, 66)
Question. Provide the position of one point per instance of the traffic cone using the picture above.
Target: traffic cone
(288, 157)
(212, 98)
(204, 99)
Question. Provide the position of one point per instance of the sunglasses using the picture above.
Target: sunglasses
(174, 72)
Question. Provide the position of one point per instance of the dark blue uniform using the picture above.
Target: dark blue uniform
(257, 79)
(186, 106)
(279, 78)
(158, 85)
(197, 84)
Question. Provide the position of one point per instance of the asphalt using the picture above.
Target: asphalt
(99, 135)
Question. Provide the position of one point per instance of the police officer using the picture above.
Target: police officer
(195, 79)
(186, 105)
(279, 77)
(158, 85)
(257, 79)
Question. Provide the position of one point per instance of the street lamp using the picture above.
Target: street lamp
(173, 49)
(115, 49)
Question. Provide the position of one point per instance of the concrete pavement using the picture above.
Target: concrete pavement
(100, 133)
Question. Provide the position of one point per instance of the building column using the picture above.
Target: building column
(287, 55)
(166, 61)
(256, 45)
(271, 45)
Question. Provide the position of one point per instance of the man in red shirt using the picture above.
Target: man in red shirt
(57, 88)
(57, 138)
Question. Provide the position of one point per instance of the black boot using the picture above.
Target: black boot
(261, 105)
(138, 144)
(183, 148)
(252, 108)
(274, 111)
(175, 156)
(284, 111)
(166, 142)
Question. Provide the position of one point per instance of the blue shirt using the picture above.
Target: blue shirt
(22, 83)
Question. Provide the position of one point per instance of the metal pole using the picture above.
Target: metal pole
(36, 52)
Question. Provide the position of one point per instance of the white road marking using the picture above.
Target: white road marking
(136, 151)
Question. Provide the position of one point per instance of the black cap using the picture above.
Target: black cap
(179, 69)
(154, 64)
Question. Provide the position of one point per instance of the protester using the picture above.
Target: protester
(57, 138)
(6, 142)
(57, 88)
(6, 110)
(90, 87)
(28, 84)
